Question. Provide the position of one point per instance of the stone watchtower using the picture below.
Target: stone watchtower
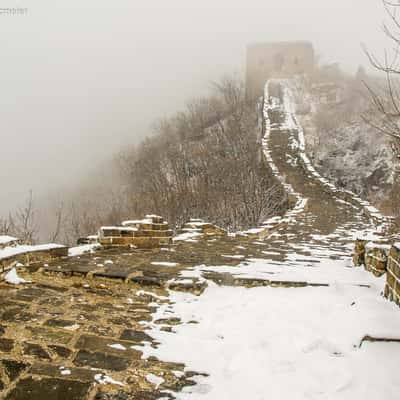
(276, 60)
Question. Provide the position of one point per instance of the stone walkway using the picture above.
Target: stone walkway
(78, 330)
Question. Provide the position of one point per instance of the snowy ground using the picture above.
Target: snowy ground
(280, 343)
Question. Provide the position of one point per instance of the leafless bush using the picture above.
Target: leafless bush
(386, 99)
(21, 223)
(206, 162)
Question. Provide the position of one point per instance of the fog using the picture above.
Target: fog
(81, 79)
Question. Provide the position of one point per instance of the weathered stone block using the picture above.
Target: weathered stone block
(136, 336)
(13, 368)
(359, 252)
(140, 242)
(57, 336)
(101, 360)
(376, 257)
(149, 233)
(121, 348)
(6, 345)
(35, 350)
(49, 388)
(200, 226)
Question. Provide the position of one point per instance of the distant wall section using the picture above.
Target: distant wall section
(276, 60)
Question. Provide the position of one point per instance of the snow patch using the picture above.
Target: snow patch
(13, 278)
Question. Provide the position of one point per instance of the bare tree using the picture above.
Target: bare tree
(386, 99)
(205, 162)
(24, 221)
(7, 226)
(59, 219)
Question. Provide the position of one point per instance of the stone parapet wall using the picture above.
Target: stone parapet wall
(376, 258)
(200, 226)
(140, 242)
(381, 258)
(32, 257)
(150, 232)
(392, 287)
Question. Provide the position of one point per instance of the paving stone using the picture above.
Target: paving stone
(52, 301)
(101, 292)
(94, 317)
(60, 323)
(101, 360)
(85, 307)
(56, 371)
(60, 351)
(121, 321)
(31, 294)
(147, 281)
(72, 269)
(138, 317)
(135, 336)
(35, 350)
(6, 345)
(168, 321)
(139, 395)
(107, 306)
(13, 368)
(17, 314)
(54, 288)
(100, 330)
(55, 336)
(49, 389)
(114, 273)
(112, 396)
(7, 303)
(107, 345)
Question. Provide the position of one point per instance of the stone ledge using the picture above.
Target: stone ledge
(34, 256)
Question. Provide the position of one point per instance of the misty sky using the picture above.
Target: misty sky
(79, 79)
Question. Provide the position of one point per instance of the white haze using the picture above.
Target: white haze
(81, 79)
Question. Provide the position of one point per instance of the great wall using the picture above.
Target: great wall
(91, 326)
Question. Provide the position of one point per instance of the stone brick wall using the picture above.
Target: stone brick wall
(379, 259)
(149, 232)
(32, 257)
(200, 226)
(376, 258)
(392, 287)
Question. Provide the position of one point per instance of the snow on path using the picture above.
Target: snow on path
(287, 343)
(80, 250)
(284, 343)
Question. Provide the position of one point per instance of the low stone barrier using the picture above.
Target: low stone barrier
(200, 226)
(392, 287)
(150, 232)
(381, 258)
(376, 258)
(32, 256)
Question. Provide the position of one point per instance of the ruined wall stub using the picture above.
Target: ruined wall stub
(276, 60)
